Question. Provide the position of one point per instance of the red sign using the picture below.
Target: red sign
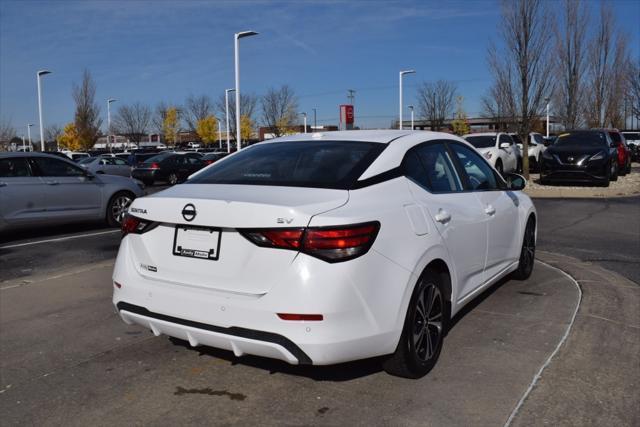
(346, 114)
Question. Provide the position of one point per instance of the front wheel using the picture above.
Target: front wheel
(117, 207)
(527, 253)
(173, 179)
(424, 329)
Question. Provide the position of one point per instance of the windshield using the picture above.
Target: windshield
(583, 138)
(485, 141)
(158, 157)
(516, 138)
(320, 164)
(86, 160)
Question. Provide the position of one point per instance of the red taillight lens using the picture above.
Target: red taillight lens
(208, 162)
(307, 317)
(331, 244)
(135, 225)
(154, 165)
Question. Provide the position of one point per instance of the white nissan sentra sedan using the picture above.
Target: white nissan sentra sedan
(325, 248)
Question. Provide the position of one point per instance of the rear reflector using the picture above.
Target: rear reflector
(331, 244)
(309, 317)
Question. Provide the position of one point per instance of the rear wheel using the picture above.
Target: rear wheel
(424, 329)
(173, 179)
(614, 173)
(527, 253)
(117, 207)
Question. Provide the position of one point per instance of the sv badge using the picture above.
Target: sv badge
(284, 220)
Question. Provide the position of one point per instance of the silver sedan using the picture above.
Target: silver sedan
(41, 189)
(108, 165)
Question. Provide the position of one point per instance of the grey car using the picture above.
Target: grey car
(109, 165)
(41, 189)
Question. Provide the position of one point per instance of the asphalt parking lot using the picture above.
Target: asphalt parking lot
(66, 358)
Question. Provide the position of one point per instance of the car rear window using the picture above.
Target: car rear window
(320, 164)
(158, 157)
(584, 138)
(484, 141)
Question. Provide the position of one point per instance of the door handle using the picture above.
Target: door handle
(443, 216)
(52, 182)
(490, 210)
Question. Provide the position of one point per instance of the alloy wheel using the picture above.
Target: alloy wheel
(427, 330)
(119, 207)
(529, 248)
(173, 179)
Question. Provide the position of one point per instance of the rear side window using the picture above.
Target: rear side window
(483, 141)
(321, 164)
(538, 139)
(430, 166)
(14, 167)
(50, 166)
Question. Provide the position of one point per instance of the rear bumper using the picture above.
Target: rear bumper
(144, 174)
(239, 340)
(360, 320)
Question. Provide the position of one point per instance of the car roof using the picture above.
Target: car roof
(31, 154)
(381, 136)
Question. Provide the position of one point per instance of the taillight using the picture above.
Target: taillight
(208, 162)
(331, 244)
(154, 165)
(621, 152)
(134, 225)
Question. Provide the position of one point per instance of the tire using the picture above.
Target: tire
(117, 207)
(173, 179)
(527, 253)
(533, 164)
(614, 176)
(629, 166)
(499, 167)
(417, 354)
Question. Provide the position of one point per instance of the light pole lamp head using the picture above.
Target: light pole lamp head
(402, 73)
(230, 90)
(43, 72)
(303, 114)
(29, 124)
(110, 100)
(243, 34)
(410, 107)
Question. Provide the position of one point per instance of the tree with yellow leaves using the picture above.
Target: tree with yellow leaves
(246, 127)
(460, 124)
(170, 125)
(70, 139)
(207, 129)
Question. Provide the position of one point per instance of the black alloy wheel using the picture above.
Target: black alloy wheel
(527, 253)
(424, 329)
(173, 178)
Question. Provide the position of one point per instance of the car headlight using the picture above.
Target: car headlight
(547, 155)
(598, 156)
(487, 155)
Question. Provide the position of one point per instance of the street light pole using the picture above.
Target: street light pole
(547, 101)
(109, 101)
(29, 136)
(304, 116)
(402, 73)
(315, 124)
(411, 109)
(237, 37)
(39, 74)
(226, 101)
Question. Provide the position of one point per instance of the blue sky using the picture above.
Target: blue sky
(151, 51)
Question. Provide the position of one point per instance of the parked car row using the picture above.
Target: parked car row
(594, 156)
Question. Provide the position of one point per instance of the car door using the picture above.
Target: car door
(510, 155)
(457, 215)
(499, 208)
(22, 194)
(71, 193)
(120, 167)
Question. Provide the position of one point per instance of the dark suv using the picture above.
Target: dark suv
(580, 156)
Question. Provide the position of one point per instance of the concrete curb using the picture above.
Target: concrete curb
(595, 377)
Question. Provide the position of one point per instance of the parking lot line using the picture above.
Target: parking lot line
(59, 239)
(553, 353)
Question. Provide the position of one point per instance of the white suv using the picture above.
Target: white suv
(536, 148)
(498, 148)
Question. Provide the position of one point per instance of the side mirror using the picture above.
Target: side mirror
(515, 182)
(505, 145)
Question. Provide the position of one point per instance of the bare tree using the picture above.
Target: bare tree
(571, 63)
(633, 79)
(87, 115)
(52, 132)
(607, 63)
(133, 121)
(197, 108)
(7, 131)
(248, 103)
(279, 109)
(524, 66)
(435, 102)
